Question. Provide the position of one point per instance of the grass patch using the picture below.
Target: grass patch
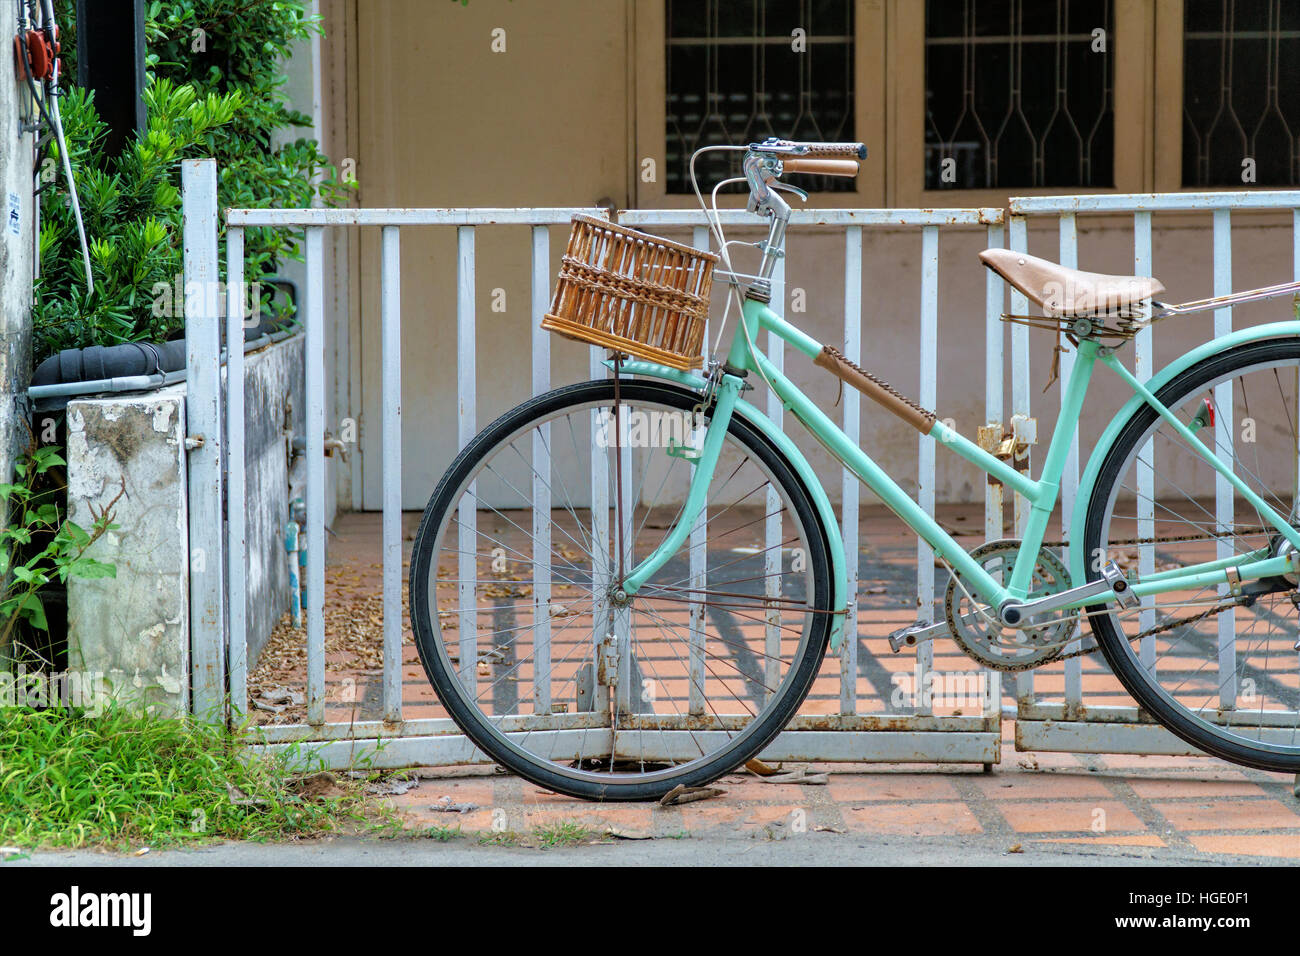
(396, 829)
(543, 837)
(441, 834)
(123, 780)
(564, 834)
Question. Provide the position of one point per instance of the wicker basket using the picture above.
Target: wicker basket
(633, 293)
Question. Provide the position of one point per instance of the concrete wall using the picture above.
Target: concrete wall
(303, 89)
(275, 412)
(134, 628)
(445, 121)
(17, 232)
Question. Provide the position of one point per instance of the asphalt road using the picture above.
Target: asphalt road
(810, 849)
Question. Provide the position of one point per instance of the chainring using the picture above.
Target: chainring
(982, 636)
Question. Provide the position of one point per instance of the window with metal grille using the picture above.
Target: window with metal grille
(739, 71)
(1241, 93)
(1019, 94)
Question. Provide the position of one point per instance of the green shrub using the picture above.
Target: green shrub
(40, 549)
(132, 213)
(214, 93)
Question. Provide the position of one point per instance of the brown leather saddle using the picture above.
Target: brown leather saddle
(1070, 293)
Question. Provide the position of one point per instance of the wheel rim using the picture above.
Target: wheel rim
(710, 657)
(1234, 673)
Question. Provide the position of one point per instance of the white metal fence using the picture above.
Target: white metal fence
(1072, 723)
(919, 735)
(219, 639)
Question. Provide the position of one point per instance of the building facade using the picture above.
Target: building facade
(962, 103)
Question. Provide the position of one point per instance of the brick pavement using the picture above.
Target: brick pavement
(1199, 806)
(1196, 805)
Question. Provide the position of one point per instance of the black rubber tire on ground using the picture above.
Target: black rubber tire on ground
(765, 726)
(1117, 650)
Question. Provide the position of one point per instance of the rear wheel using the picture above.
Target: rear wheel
(519, 620)
(1221, 670)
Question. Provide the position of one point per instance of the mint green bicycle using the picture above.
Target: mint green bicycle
(630, 584)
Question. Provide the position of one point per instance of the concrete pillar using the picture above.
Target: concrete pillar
(132, 630)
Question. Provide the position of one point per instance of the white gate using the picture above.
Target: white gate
(862, 727)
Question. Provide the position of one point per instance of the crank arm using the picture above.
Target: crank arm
(1112, 581)
(920, 632)
(917, 633)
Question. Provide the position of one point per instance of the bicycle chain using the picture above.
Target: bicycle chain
(1151, 631)
(1160, 628)
(1170, 539)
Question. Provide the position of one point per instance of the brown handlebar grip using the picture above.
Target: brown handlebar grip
(820, 167)
(819, 150)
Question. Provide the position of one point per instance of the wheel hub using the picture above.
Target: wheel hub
(1285, 549)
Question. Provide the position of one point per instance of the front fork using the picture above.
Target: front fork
(726, 394)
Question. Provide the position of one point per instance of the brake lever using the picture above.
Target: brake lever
(761, 174)
(787, 188)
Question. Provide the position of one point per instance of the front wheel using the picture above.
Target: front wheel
(1219, 669)
(527, 639)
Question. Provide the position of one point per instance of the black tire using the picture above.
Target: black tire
(441, 673)
(1118, 650)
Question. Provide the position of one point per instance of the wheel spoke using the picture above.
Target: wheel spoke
(1229, 678)
(684, 682)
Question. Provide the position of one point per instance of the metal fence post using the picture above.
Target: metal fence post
(314, 374)
(391, 334)
(773, 524)
(236, 492)
(541, 451)
(699, 562)
(925, 461)
(466, 428)
(1018, 236)
(204, 438)
(1223, 439)
(994, 383)
(1144, 368)
(1069, 257)
(849, 482)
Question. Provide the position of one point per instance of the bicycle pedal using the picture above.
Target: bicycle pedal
(913, 634)
(1119, 585)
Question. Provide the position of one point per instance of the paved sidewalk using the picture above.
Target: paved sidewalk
(1035, 810)
(1161, 808)
(1192, 808)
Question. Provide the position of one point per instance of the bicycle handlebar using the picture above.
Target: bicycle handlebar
(786, 147)
(821, 167)
(766, 162)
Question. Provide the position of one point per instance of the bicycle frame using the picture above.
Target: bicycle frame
(1041, 494)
